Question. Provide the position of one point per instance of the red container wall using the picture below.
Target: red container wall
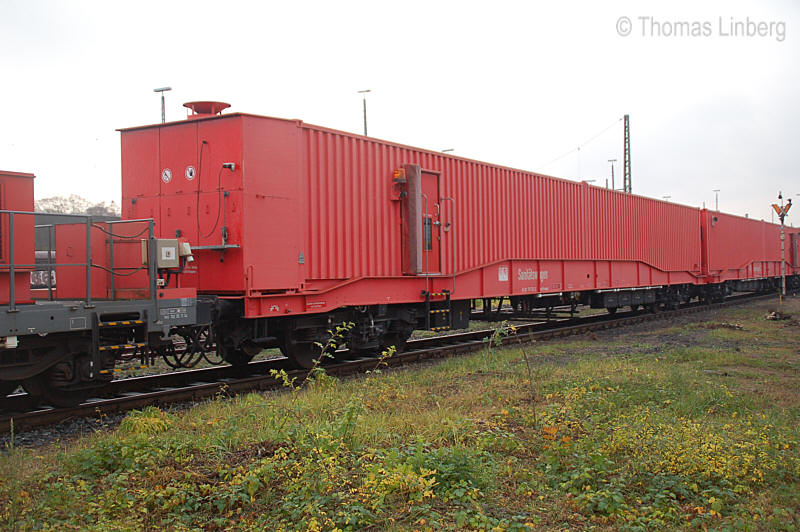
(793, 251)
(275, 209)
(16, 194)
(499, 214)
(174, 174)
(740, 248)
(71, 249)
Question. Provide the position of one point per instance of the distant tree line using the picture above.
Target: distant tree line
(74, 204)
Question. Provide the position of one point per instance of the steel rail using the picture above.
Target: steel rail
(194, 385)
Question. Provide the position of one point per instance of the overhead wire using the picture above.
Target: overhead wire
(578, 148)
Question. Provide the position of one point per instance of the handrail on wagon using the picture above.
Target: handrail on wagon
(88, 264)
(50, 235)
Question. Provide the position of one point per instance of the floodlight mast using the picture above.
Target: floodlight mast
(612, 161)
(162, 90)
(364, 101)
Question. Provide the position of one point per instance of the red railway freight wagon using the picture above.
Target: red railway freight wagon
(287, 219)
(745, 250)
(298, 218)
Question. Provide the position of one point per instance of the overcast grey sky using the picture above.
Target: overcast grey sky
(513, 83)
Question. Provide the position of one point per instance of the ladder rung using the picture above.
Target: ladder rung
(123, 323)
(121, 346)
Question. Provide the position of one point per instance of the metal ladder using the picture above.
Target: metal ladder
(441, 318)
(102, 344)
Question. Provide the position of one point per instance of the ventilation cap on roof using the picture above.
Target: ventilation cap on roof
(204, 109)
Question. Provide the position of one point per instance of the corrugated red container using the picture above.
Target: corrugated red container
(16, 194)
(314, 219)
(743, 248)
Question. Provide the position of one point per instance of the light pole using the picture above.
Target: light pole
(364, 100)
(612, 161)
(782, 210)
(162, 90)
(716, 199)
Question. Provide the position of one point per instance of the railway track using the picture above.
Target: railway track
(194, 385)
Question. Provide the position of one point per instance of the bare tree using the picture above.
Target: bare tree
(74, 204)
(103, 209)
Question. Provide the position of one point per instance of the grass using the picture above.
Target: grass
(688, 426)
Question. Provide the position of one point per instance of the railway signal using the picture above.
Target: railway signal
(782, 210)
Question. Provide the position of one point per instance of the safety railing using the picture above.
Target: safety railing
(17, 236)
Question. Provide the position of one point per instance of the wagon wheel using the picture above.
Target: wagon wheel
(233, 354)
(42, 390)
(303, 354)
(302, 345)
(399, 332)
(612, 310)
(67, 383)
(397, 338)
(239, 357)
